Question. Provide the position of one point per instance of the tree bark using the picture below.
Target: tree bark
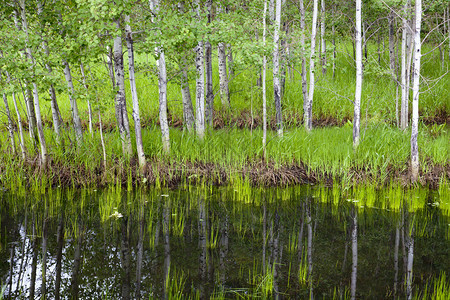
(10, 124)
(73, 104)
(200, 86)
(359, 77)
(416, 89)
(83, 77)
(223, 77)
(303, 51)
(405, 73)
(120, 100)
(188, 111)
(276, 69)
(308, 109)
(162, 85)
(264, 89)
(37, 110)
(209, 73)
(323, 45)
(134, 96)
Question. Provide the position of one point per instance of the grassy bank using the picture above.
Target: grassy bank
(226, 156)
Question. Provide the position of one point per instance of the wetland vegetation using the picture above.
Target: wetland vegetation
(208, 149)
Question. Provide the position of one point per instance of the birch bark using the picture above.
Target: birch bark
(223, 77)
(83, 77)
(57, 122)
(162, 85)
(200, 86)
(188, 111)
(359, 74)
(209, 73)
(120, 100)
(73, 104)
(405, 73)
(303, 51)
(416, 89)
(37, 109)
(308, 109)
(323, 44)
(264, 86)
(134, 96)
(276, 69)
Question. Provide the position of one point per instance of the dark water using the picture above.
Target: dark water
(221, 242)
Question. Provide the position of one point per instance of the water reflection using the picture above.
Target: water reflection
(285, 244)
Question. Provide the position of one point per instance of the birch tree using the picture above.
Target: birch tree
(37, 109)
(323, 45)
(200, 85)
(223, 77)
(359, 74)
(406, 65)
(303, 55)
(209, 73)
(264, 84)
(134, 96)
(307, 118)
(416, 89)
(73, 103)
(120, 100)
(162, 85)
(276, 69)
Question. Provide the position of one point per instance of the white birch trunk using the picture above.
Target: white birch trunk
(162, 85)
(416, 88)
(200, 92)
(264, 86)
(406, 66)
(359, 74)
(19, 124)
(223, 78)
(10, 125)
(188, 111)
(323, 45)
(392, 45)
(102, 140)
(308, 109)
(276, 69)
(37, 110)
(57, 122)
(73, 104)
(120, 100)
(134, 96)
(83, 77)
(209, 73)
(303, 51)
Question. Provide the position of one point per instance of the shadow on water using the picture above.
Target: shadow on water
(202, 243)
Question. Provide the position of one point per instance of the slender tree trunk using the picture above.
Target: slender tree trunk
(19, 125)
(392, 45)
(416, 88)
(83, 76)
(110, 66)
(134, 96)
(264, 88)
(120, 100)
(188, 111)
(200, 86)
(308, 109)
(73, 104)
(223, 77)
(230, 61)
(162, 84)
(303, 51)
(209, 73)
(276, 69)
(405, 73)
(359, 76)
(102, 140)
(37, 110)
(57, 122)
(323, 45)
(10, 124)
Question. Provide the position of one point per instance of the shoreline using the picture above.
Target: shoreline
(172, 174)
